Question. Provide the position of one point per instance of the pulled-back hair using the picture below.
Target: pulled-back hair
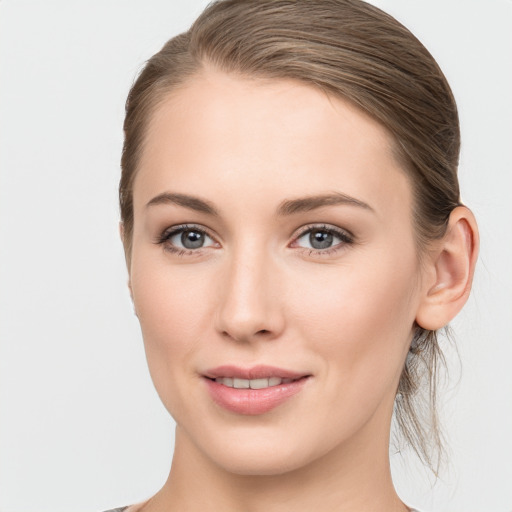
(354, 51)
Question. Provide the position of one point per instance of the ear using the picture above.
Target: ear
(121, 234)
(451, 268)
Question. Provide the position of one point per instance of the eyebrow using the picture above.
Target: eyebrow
(306, 204)
(286, 208)
(191, 202)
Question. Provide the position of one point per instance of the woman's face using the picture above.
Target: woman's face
(273, 248)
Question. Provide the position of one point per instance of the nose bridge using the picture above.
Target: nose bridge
(249, 303)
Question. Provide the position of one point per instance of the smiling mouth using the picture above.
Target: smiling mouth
(253, 391)
(264, 383)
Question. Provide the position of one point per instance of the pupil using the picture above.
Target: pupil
(320, 239)
(192, 239)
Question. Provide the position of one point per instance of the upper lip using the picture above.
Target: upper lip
(254, 372)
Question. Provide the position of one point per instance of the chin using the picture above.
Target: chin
(260, 452)
(256, 464)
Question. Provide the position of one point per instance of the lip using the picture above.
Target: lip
(253, 402)
(255, 372)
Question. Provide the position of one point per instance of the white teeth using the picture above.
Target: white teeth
(251, 383)
(258, 383)
(274, 381)
(241, 383)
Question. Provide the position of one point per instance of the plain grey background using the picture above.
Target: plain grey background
(81, 427)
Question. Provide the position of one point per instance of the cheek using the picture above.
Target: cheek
(361, 316)
(172, 307)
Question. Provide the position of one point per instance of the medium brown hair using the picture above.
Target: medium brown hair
(348, 49)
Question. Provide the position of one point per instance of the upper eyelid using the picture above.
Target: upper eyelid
(297, 232)
(326, 227)
(187, 227)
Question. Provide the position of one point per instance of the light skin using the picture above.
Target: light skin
(259, 288)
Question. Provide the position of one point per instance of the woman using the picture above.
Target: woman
(295, 238)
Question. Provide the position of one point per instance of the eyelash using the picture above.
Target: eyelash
(345, 237)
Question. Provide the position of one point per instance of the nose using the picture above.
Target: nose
(250, 305)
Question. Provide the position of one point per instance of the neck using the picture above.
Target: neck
(354, 477)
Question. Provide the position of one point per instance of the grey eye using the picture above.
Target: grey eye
(319, 239)
(322, 238)
(190, 239)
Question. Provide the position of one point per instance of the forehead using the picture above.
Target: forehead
(253, 137)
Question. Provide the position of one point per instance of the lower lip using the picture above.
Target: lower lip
(252, 402)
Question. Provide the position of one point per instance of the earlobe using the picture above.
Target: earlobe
(453, 265)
